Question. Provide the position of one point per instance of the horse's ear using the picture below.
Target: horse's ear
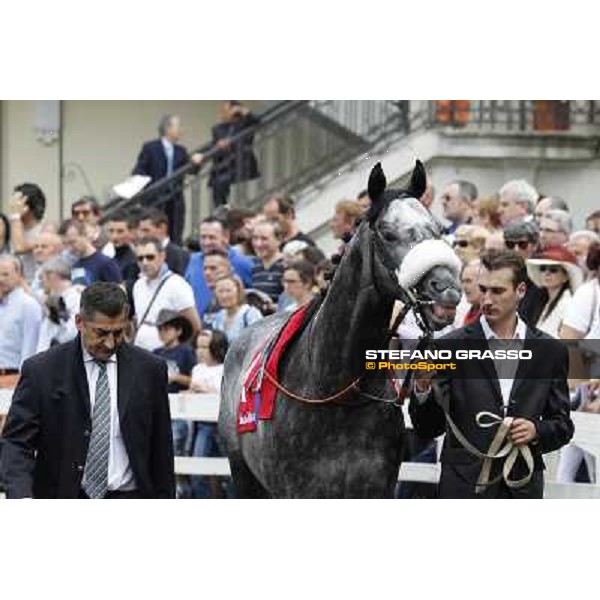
(418, 181)
(376, 187)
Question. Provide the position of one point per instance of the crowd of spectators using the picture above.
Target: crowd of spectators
(188, 303)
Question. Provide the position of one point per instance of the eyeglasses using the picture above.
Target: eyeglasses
(461, 243)
(146, 257)
(521, 243)
(554, 269)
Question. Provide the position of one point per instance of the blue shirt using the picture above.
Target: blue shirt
(20, 320)
(194, 275)
(245, 316)
(97, 267)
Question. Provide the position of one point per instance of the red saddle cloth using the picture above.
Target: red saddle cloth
(258, 392)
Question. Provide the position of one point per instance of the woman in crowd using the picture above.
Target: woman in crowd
(556, 271)
(469, 242)
(235, 314)
(487, 214)
(298, 282)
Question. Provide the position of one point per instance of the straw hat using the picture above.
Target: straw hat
(555, 255)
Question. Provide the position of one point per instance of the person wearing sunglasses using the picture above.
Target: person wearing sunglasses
(522, 237)
(158, 288)
(555, 270)
(469, 242)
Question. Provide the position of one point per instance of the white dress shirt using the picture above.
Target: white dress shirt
(120, 476)
(520, 334)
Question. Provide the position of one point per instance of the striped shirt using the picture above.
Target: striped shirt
(268, 280)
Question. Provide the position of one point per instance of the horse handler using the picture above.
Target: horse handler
(499, 416)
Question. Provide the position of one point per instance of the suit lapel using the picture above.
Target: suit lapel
(80, 382)
(124, 378)
(524, 365)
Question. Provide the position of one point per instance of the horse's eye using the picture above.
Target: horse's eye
(388, 235)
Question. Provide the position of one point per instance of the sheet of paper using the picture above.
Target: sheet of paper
(131, 186)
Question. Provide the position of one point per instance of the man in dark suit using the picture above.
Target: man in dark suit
(90, 418)
(521, 406)
(155, 224)
(160, 158)
(234, 160)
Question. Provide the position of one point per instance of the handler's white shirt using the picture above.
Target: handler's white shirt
(520, 334)
(176, 294)
(120, 476)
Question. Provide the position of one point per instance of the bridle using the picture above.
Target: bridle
(410, 299)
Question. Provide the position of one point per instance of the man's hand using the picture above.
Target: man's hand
(224, 143)
(197, 158)
(522, 431)
(17, 205)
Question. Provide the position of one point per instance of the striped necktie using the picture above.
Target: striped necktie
(96, 466)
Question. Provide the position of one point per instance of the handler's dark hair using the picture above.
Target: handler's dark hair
(492, 260)
(36, 200)
(103, 297)
(218, 345)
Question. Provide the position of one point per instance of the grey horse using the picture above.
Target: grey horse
(349, 448)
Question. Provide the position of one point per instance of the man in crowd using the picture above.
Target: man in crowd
(343, 224)
(90, 264)
(522, 237)
(159, 288)
(118, 228)
(592, 222)
(549, 203)
(61, 304)
(234, 160)
(87, 210)
(555, 228)
(517, 199)
(267, 272)
(160, 158)
(90, 418)
(537, 402)
(579, 244)
(457, 204)
(281, 208)
(20, 317)
(46, 247)
(155, 223)
(216, 265)
(214, 235)
(27, 208)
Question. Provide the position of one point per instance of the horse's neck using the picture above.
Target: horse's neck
(352, 319)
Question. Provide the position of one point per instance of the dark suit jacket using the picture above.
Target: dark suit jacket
(152, 160)
(539, 393)
(177, 258)
(48, 428)
(238, 162)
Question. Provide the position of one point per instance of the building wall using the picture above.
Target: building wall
(100, 143)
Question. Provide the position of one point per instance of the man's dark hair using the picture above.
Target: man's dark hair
(217, 252)
(93, 202)
(104, 297)
(493, 260)
(285, 204)
(218, 345)
(212, 219)
(121, 216)
(363, 194)
(74, 223)
(155, 216)
(150, 240)
(305, 270)
(36, 200)
(522, 229)
(592, 261)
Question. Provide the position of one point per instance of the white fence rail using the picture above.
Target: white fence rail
(205, 407)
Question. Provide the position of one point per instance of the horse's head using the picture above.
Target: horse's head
(408, 246)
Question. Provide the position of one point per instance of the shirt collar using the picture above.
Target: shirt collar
(165, 242)
(520, 329)
(87, 357)
(166, 143)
